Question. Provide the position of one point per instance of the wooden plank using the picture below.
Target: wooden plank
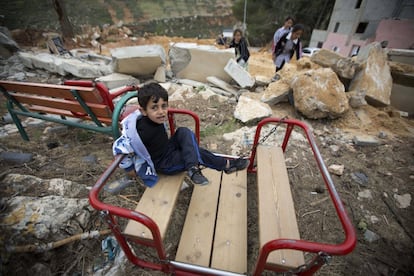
(277, 218)
(198, 231)
(230, 241)
(157, 203)
(88, 94)
(100, 110)
(49, 110)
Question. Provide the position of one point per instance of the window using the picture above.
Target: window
(362, 26)
(358, 4)
(320, 44)
(355, 50)
(336, 27)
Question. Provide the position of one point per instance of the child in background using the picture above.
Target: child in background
(145, 140)
(240, 46)
(287, 26)
(287, 45)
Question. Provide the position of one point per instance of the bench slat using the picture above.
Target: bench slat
(198, 231)
(157, 203)
(49, 110)
(277, 218)
(100, 110)
(230, 242)
(88, 94)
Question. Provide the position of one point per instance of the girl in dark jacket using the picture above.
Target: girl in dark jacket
(240, 46)
(287, 45)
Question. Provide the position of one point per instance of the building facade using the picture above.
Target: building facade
(355, 23)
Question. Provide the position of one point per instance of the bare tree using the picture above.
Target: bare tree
(66, 26)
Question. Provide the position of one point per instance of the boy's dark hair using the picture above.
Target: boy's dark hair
(237, 31)
(298, 27)
(151, 92)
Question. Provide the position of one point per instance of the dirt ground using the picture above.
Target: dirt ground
(389, 168)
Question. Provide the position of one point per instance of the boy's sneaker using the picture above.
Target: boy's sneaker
(194, 173)
(237, 165)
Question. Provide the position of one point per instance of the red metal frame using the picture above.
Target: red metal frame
(323, 250)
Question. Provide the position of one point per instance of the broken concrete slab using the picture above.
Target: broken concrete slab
(402, 201)
(116, 80)
(275, 93)
(249, 110)
(25, 58)
(365, 140)
(319, 94)
(239, 74)
(197, 62)
(82, 69)
(47, 62)
(374, 77)
(357, 98)
(222, 84)
(221, 92)
(263, 80)
(160, 74)
(138, 60)
(192, 83)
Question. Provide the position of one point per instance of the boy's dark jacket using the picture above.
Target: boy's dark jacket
(280, 45)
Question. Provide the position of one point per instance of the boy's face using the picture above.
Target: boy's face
(297, 34)
(156, 112)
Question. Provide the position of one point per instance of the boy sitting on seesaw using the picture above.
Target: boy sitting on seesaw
(145, 140)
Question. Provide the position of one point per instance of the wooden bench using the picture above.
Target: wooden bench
(41, 100)
(277, 218)
(158, 203)
(215, 230)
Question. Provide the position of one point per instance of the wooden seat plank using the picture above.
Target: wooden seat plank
(198, 231)
(88, 94)
(100, 110)
(49, 110)
(277, 218)
(157, 203)
(230, 241)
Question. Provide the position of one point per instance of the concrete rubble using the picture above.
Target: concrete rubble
(64, 65)
(276, 92)
(239, 74)
(375, 75)
(249, 110)
(197, 62)
(319, 94)
(343, 66)
(7, 44)
(138, 60)
(116, 80)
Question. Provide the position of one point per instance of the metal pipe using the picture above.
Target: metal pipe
(203, 270)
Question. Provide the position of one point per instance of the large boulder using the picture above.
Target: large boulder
(197, 62)
(319, 94)
(375, 76)
(345, 67)
(276, 92)
(250, 110)
(138, 60)
(288, 72)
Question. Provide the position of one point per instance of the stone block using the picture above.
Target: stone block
(116, 80)
(160, 74)
(81, 69)
(197, 62)
(239, 74)
(249, 110)
(49, 63)
(276, 92)
(138, 60)
(26, 59)
(365, 140)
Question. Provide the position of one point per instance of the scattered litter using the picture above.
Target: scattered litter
(360, 178)
(365, 194)
(403, 201)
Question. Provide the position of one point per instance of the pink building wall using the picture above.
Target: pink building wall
(339, 41)
(398, 33)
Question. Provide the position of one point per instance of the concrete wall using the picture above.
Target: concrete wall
(398, 33)
(317, 36)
